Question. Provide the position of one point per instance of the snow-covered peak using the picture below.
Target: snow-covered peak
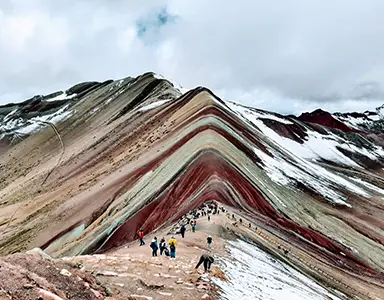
(175, 84)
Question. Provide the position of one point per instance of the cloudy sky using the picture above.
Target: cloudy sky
(287, 56)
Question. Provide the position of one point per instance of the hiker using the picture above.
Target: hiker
(193, 225)
(163, 246)
(209, 242)
(154, 246)
(209, 217)
(141, 236)
(182, 230)
(207, 260)
(172, 247)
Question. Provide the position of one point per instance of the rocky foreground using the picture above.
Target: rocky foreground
(30, 276)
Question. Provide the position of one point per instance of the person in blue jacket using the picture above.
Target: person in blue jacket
(154, 246)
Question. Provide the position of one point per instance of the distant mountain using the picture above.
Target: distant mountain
(369, 121)
(82, 170)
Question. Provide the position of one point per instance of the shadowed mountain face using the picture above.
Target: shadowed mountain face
(83, 170)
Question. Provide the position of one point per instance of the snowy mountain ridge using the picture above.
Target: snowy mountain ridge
(25, 118)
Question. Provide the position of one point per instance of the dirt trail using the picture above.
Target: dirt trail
(131, 271)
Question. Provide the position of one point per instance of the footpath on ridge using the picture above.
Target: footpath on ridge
(131, 271)
(128, 273)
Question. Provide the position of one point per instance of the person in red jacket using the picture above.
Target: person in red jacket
(141, 236)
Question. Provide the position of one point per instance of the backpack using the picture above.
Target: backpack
(166, 252)
(172, 247)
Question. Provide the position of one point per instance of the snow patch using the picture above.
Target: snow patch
(62, 96)
(54, 118)
(175, 84)
(357, 122)
(350, 121)
(7, 117)
(120, 91)
(96, 109)
(368, 185)
(22, 126)
(316, 145)
(315, 177)
(256, 275)
(294, 162)
(251, 114)
(153, 105)
(374, 117)
(120, 82)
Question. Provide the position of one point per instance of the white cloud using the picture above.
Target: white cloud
(126, 38)
(18, 30)
(284, 56)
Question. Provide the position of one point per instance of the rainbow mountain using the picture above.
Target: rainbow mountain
(83, 169)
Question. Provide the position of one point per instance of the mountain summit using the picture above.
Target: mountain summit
(84, 169)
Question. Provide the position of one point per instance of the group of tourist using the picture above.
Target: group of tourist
(169, 249)
(172, 243)
(163, 247)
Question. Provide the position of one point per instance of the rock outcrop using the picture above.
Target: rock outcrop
(29, 277)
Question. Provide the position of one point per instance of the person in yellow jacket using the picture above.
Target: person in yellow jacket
(172, 247)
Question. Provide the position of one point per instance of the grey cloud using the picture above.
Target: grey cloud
(286, 56)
